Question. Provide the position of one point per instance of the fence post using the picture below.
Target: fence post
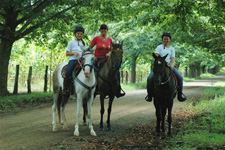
(15, 91)
(46, 79)
(29, 80)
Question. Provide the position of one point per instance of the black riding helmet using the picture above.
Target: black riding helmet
(78, 29)
(166, 34)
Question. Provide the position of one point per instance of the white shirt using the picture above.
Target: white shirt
(75, 46)
(162, 51)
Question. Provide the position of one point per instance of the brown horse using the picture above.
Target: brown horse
(108, 82)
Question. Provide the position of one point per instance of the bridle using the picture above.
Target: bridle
(114, 62)
(83, 84)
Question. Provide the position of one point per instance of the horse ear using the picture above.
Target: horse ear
(165, 56)
(153, 54)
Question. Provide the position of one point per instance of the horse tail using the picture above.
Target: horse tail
(59, 100)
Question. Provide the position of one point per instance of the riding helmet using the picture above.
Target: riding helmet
(78, 28)
(166, 34)
(103, 26)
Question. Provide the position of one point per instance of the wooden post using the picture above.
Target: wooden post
(121, 76)
(46, 79)
(29, 80)
(126, 77)
(15, 91)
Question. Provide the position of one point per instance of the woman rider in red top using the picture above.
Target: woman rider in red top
(103, 49)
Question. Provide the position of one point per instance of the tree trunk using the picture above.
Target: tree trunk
(126, 76)
(5, 52)
(121, 76)
(198, 68)
(133, 69)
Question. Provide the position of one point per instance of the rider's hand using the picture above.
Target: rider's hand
(108, 54)
(76, 54)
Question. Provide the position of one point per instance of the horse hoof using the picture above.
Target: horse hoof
(93, 133)
(101, 129)
(76, 133)
(108, 129)
(65, 128)
(54, 129)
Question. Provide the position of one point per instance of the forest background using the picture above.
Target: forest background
(36, 32)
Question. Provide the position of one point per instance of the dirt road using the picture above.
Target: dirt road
(32, 129)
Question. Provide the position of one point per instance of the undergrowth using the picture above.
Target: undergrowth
(206, 129)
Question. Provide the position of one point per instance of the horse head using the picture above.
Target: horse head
(117, 55)
(159, 69)
(88, 61)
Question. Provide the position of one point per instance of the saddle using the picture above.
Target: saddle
(76, 70)
(99, 64)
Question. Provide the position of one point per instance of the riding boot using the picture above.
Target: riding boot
(180, 96)
(119, 92)
(66, 84)
(148, 98)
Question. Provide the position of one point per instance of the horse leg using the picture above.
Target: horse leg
(109, 113)
(89, 103)
(169, 120)
(62, 110)
(158, 116)
(55, 98)
(79, 103)
(84, 113)
(102, 112)
(163, 113)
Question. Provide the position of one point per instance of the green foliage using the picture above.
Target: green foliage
(133, 86)
(9, 103)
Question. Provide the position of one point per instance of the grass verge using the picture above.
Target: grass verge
(206, 129)
(16, 102)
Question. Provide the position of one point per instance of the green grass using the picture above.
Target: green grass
(207, 128)
(15, 102)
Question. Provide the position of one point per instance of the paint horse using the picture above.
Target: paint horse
(164, 92)
(107, 79)
(84, 85)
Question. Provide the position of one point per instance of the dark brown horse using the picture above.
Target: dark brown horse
(164, 92)
(107, 79)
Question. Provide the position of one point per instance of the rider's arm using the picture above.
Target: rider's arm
(157, 54)
(172, 62)
(71, 53)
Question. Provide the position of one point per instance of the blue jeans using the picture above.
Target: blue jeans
(176, 72)
(70, 67)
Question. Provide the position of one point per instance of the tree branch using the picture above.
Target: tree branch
(35, 11)
(29, 30)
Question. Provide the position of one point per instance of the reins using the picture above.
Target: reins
(83, 84)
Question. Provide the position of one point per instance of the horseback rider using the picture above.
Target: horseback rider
(74, 51)
(103, 50)
(163, 50)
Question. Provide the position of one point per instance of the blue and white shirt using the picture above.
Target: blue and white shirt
(75, 46)
(162, 51)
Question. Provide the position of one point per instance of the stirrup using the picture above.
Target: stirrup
(147, 99)
(182, 98)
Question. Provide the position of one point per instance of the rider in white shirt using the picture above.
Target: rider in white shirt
(163, 50)
(74, 51)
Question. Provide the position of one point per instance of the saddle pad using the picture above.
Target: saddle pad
(175, 79)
